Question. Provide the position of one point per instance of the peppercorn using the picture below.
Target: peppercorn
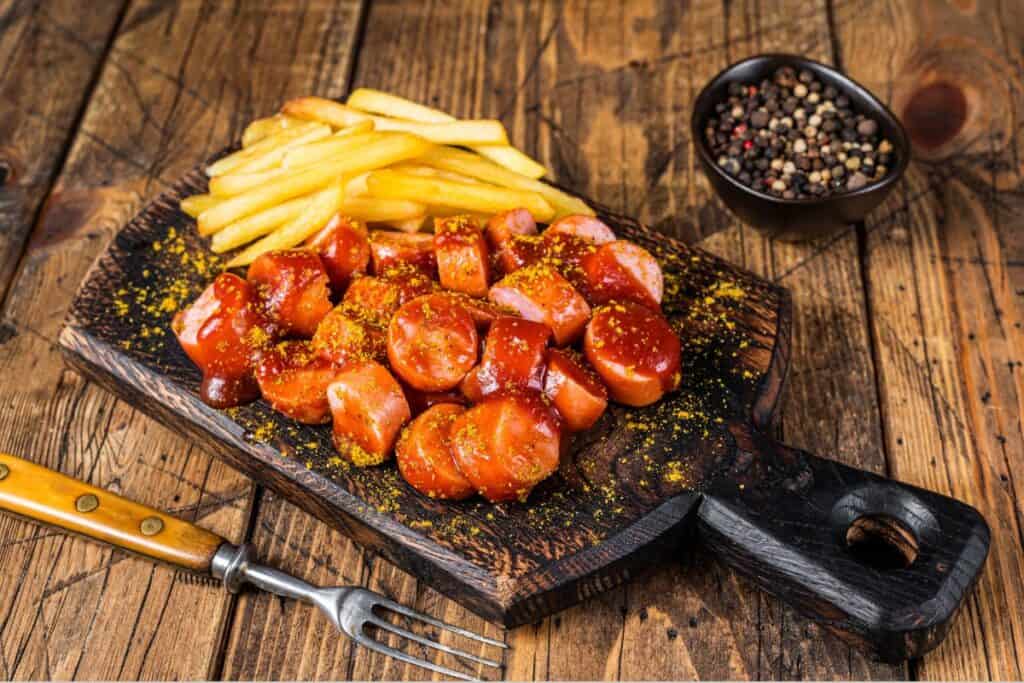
(793, 136)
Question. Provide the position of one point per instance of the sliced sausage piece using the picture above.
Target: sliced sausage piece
(463, 261)
(622, 270)
(506, 445)
(424, 455)
(432, 343)
(219, 332)
(388, 248)
(380, 297)
(575, 390)
(589, 228)
(503, 226)
(513, 360)
(540, 294)
(482, 311)
(635, 351)
(293, 378)
(294, 288)
(520, 251)
(344, 248)
(368, 409)
(347, 335)
(565, 252)
(420, 401)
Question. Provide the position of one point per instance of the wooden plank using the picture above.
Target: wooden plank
(180, 79)
(49, 57)
(947, 290)
(831, 374)
(609, 121)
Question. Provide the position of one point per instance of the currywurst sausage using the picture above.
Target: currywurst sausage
(506, 445)
(432, 343)
(635, 352)
(368, 409)
(424, 454)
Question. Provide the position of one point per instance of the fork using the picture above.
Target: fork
(43, 495)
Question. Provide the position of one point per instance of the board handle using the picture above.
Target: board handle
(43, 495)
(884, 565)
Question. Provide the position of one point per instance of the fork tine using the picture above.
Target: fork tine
(413, 614)
(422, 640)
(377, 646)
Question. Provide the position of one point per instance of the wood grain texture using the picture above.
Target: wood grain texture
(946, 288)
(178, 78)
(49, 58)
(700, 619)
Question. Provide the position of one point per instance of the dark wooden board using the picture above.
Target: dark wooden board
(619, 502)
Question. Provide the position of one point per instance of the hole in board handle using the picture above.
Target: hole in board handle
(882, 542)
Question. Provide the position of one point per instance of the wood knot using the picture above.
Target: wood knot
(935, 114)
(6, 172)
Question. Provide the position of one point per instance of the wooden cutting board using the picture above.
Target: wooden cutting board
(883, 564)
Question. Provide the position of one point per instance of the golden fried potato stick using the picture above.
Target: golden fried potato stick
(265, 127)
(376, 210)
(386, 104)
(235, 159)
(257, 225)
(198, 203)
(231, 184)
(377, 102)
(466, 132)
(384, 152)
(477, 198)
(321, 208)
(272, 158)
(469, 164)
(332, 147)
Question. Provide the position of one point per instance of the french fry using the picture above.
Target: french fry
(469, 164)
(261, 128)
(356, 187)
(385, 104)
(375, 210)
(273, 157)
(471, 197)
(384, 152)
(257, 225)
(452, 132)
(321, 208)
(326, 149)
(356, 129)
(232, 184)
(320, 109)
(198, 203)
(377, 102)
(466, 132)
(407, 225)
(512, 159)
(432, 172)
(235, 159)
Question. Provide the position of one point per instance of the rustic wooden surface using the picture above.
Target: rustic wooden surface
(907, 330)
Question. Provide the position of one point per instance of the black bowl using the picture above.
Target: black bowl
(797, 219)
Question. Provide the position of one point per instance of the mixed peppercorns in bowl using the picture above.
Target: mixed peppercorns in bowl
(796, 148)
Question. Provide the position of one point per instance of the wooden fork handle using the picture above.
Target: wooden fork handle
(42, 495)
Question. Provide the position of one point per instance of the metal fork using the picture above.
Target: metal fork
(350, 608)
(41, 494)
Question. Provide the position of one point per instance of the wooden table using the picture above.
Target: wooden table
(907, 340)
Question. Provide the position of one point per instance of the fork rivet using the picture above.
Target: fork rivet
(4, 471)
(87, 502)
(151, 526)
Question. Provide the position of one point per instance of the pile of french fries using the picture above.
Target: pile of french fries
(377, 158)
